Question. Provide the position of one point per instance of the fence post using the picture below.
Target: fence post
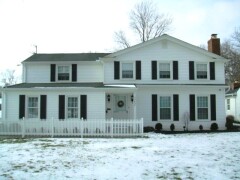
(52, 127)
(82, 129)
(111, 129)
(141, 128)
(23, 127)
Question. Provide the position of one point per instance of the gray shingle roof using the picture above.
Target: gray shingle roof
(50, 85)
(232, 91)
(65, 57)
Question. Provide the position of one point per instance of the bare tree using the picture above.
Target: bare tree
(230, 49)
(8, 77)
(146, 22)
(121, 39)
(236, 38)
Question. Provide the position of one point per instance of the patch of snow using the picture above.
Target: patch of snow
(158, 156)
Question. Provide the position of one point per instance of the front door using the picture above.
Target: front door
(121, 107)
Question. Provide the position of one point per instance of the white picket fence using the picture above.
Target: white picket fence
(70, 128)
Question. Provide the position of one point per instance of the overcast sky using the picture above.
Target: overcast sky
(76, 26)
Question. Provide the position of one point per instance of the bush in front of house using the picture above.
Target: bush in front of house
(200, 127)
(214, 127)
(229, 122)
(158, 127)
(148, 129)
(172, 127)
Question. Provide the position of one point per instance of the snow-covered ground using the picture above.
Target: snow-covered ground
(157, 156)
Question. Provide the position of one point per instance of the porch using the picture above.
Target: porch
(73, 128)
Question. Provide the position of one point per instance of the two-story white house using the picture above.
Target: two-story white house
(164, 80)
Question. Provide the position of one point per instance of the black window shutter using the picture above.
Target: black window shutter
(21, 106)
(154, 69)
(43, 107)
(154, 107)
(74, 72)
(213, 107)
(138, 70)
(192, 107)
(116, 70)
(61, 107)
(53, 73)
(175, 70)
(84, 106)
(176, 107)
(212, 70)
(191, 70)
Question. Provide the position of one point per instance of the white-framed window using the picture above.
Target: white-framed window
(164, 69)
(63, 73)
(165, 107)
(202, 107)
(32, 107)
(202, 71)
(228, 104)
(127, 70)
(72, 107)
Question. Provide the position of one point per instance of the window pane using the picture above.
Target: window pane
(72, 107)
(165, 107)
(165, 101)
(202, 113)
(63, 69)
(202, 101)
(63, 73)
(32, 107)
(228, 104)
(202, 71)
(72, 113)
(201, 67)
(32, 102)
(165, 113)
(164, 74)
(164, 70)
(72, 102)
(127, 70)
(202, 105)
(32, 112)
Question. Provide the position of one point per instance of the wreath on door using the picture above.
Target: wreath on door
(120, 103)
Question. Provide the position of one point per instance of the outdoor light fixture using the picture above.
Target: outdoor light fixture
(132, 98)
(108, 97)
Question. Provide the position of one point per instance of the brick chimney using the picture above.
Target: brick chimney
(214, 44)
